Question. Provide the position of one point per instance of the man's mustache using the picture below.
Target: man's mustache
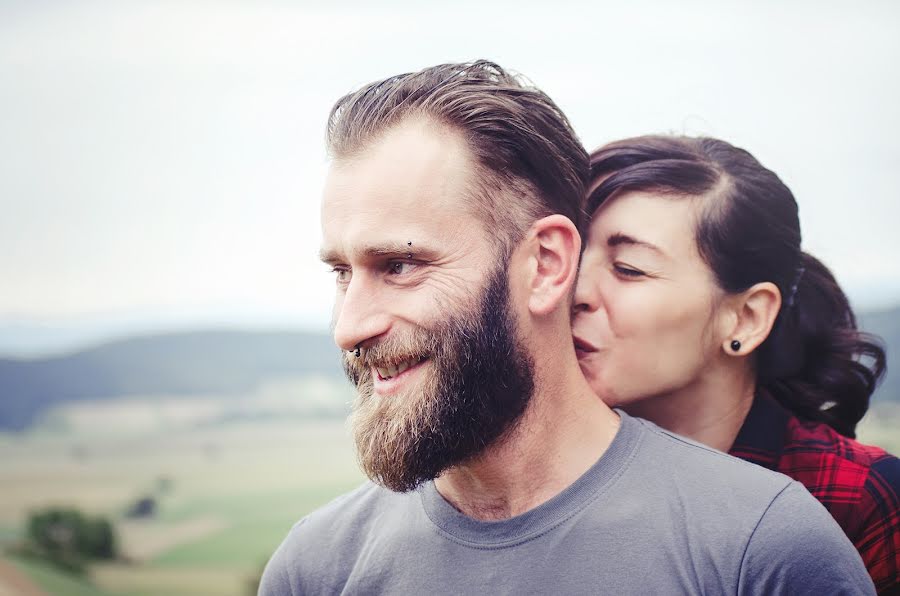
(410, 346)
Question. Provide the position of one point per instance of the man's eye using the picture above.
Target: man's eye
(341, 274)
(400, 267)
(626, 271)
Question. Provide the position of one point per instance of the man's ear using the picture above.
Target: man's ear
(752, 317)
(554, 250)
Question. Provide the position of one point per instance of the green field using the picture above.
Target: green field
(56, 582)
(227, 493)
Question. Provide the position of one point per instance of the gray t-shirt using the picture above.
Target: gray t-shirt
(657, 514)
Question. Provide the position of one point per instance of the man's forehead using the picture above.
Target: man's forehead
(413, 182)
(415, 160)
(394, 227)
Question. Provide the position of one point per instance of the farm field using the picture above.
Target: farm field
(226, 495)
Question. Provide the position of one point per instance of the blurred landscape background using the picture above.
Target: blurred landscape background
(202, 449)
(170, 399)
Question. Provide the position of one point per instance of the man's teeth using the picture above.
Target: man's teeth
(386, 372)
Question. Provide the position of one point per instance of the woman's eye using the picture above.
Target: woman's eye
(626, 271)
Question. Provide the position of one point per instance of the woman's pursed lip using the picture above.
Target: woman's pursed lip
(583, 345)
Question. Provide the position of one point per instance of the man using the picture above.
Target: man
(451, 218)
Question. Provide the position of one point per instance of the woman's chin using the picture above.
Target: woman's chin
(602, 391)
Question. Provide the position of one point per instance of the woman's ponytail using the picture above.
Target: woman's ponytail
(816, 362)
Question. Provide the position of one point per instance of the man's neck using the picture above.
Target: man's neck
(560, 436)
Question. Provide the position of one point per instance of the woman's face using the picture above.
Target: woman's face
(646, 304)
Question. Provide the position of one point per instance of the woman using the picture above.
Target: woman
(697, 310)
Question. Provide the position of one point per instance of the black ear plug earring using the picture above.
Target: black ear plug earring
(735, 345)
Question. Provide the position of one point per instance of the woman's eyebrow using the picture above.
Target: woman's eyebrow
(619, 239)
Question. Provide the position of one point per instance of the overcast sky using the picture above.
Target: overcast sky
(165, 159)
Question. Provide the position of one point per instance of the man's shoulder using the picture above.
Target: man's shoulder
(365, 495)
(718, 498)
(715, 470)
(350, 513)
(342, 528)
(752, 515)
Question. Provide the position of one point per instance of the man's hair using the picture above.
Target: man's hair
(530, 162)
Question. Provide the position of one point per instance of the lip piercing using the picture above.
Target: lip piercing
(357, 352)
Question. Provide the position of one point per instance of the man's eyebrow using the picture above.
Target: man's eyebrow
(619, 239)
(407, 249)
(329, 256)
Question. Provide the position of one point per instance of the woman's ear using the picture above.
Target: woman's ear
(554, 250)
(753, 313)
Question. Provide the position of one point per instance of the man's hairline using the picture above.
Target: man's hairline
(477, 189)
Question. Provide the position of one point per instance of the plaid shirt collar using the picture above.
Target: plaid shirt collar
(761, 439)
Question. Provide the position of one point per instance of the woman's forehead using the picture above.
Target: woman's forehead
(665, 221)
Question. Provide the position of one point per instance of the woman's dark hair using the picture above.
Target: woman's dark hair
(815, 362)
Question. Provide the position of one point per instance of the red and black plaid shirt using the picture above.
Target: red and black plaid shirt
(858, 484)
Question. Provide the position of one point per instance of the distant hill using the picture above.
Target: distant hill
(197, 363)
(229, 363)
(886, 324)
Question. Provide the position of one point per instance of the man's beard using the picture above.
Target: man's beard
(479, 384)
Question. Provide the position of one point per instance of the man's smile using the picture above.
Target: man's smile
(388, 379)
(387, 372)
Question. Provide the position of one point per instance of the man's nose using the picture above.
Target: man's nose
(359, 315)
